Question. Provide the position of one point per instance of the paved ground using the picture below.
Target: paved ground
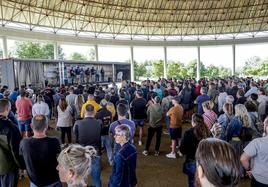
(151, 171)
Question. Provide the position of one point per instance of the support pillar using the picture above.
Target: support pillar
(5, 51)
(97, 53)
(56, 51)
(198, 65)
(165, 62)
(233, 67)
(132, 71)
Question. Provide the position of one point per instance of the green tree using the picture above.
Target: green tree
(77, 56)
(252, 66)
(139, 69)
(158, 68)
(191, 68)
(212, 71)
(92, 54)
(176, 70)
(35, 50)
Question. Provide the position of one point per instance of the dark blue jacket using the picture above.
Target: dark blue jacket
(124, 168)
(235, 128)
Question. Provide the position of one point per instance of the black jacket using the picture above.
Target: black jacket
(9, 146)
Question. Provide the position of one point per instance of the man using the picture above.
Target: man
(124, 168)
(88, 132)
(91, 101)
(106, 117)
(114, 97)
(24, 111)
(40, 154)
(71, 98)
(102, 74)
(138, 108)
(200, 99)
(9, 148)
(212, 91)
(175, 129)
(255, 159)
(253, 89)
(122, 111)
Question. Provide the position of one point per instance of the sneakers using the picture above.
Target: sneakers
(179, 153)
(140, 143)
(145, 153)
(171, 155)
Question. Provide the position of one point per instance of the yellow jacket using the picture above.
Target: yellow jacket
(111, 108)
(91, 102)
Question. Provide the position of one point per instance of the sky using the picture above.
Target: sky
(216, 55)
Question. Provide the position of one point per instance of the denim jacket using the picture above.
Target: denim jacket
(235, 128)
(124, 168)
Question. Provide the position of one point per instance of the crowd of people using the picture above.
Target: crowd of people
(226, 140)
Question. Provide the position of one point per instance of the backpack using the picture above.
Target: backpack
(246, 134)
(106, 121)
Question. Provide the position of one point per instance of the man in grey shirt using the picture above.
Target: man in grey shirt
(88, 132)
(255, 159)
(70, 99)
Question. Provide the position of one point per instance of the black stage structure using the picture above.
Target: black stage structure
(39, 73)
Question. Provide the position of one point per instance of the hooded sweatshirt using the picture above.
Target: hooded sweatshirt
(155, 115)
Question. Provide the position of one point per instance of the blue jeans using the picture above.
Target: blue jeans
(9, 180)
(107, 142)
(167, 121)
(189, 169)
(56, 184)
(96, 171)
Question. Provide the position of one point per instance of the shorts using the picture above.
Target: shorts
(24, 125)
(139, 122)
(175, 133)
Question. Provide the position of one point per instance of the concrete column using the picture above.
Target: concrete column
(5, 51)
(165, 62)
(233, 67)
(198, 66)
(56, 51)
(97, 52)
(132, 71)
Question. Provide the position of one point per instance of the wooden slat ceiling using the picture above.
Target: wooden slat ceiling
(139, 17)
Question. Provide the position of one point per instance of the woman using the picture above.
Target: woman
(220, 168)
(239, 133)
(225, 119)
(166, 104)
(189, 144)
(221, 98)
(256, 124)
(65, 120)
(74, 164)
(124, 168)
(263, 102)
(78, 103)
(40, 107)
(155, 116)
(210, 117)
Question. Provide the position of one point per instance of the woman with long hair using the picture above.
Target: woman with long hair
(40, 107)
(65, 120)
(74, 164)
(189, 144)
(225, 119)
(217, 164)
(78, 103)
(210, 117)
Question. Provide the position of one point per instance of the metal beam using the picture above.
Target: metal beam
(132, 71)
(198, 65)
(5, 51)
(165, 62)
(97, 52)
(56, 51)
(233, 67)
(31, 35)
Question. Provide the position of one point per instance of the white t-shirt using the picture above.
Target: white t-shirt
(257, 149)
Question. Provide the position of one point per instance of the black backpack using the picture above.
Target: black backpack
(246, 134)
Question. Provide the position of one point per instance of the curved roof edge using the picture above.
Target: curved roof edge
(68, 39)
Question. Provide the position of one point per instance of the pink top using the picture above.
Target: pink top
(24, 108)
(210, 117)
